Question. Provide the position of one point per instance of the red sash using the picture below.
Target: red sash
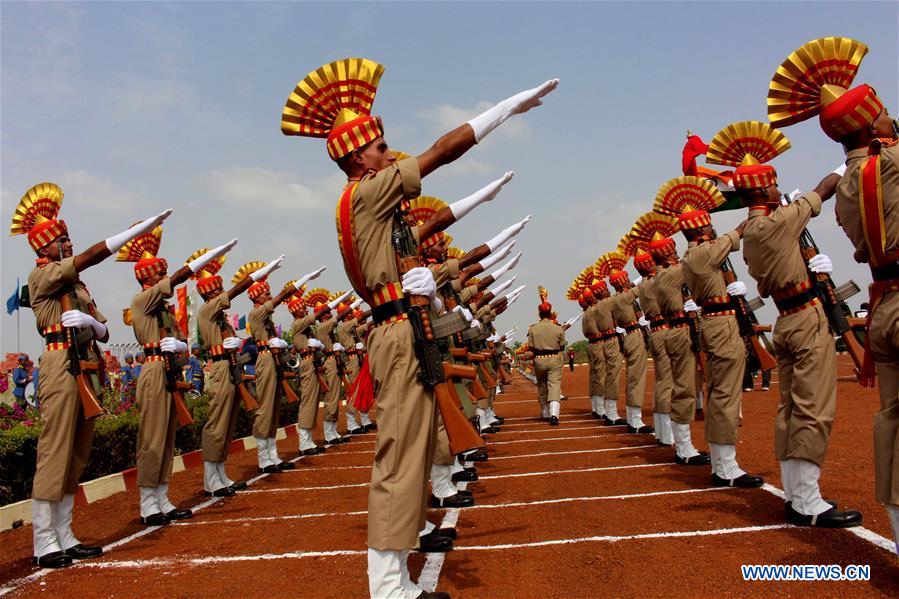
(346, 239)
(870, 191)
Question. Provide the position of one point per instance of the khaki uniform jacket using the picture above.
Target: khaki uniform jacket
(702, 266)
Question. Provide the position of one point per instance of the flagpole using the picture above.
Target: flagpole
(18, 342)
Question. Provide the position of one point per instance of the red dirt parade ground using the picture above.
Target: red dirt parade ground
(577, 510)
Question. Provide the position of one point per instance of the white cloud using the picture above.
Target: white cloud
(87, 190)
(446, 117)
(260, 188)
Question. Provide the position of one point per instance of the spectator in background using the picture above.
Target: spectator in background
(139, 356)
(195, 369)
(127, 370)
(36, 402)
(571, 359)
(20, 378)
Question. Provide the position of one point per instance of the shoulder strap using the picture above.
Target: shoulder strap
(870, 191)
(346, 239)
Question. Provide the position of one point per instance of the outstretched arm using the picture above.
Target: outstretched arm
(99, 252)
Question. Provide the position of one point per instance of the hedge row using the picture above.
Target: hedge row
(114, 447)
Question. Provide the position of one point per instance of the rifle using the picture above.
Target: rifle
(283, 374)
(235, 370)
(695, 344)
(747, 322)
(638, 312)
(174, 384)
(318, 363)
(77, 367)
(462, 435)
(834, 306)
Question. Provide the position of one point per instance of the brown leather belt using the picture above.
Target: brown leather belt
(795, 298)
(658, 324)
(677, 320)
(718, 306)
(546, 352)
(888, 272)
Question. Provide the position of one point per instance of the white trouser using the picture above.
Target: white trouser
(148, 503)
(62, 522)
(365, 420)
(441, 481)
(223, 475)
(330, 428)
(893, 511)
(724, 461)
(491, 418)
(265, 459)
(306, 441)
(804, 491)
(351, 423)
(683, 441)
(273, 452)
(457, 465)
(555, 408)
(611, 406)
(544, 411)
(634, 416)
(212, 480)
(388, 575)
(162, 498)
(663, 427)
(428, 529)
(597, 405)
(43, 532)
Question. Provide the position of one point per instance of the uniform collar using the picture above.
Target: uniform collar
(759, 211)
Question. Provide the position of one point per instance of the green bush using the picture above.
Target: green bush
(115, 442)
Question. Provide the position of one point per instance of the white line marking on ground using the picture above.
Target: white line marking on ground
(638, 537)
(549, 429)
(270, 518)
(536, 417)
(574, 471)
(323, 488)
(523, 424)
(859, 531)
(213, 559)
(546, 453)
(600, 436)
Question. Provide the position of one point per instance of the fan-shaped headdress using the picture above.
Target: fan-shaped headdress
(611, 265)
(207, 278)
(424, 208)
(36, 216)
(544, 306)
(657, 229)
(334, 101)
(256, 289)
(317, 297)
(748, 145)
(815, 79)
(143, 250)
(690, 199)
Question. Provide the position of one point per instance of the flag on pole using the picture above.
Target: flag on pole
(242, 323)
(193, 327)
(12, 304)
(235, 322)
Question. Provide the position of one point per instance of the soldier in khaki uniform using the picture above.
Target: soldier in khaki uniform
(155, 328)
(608, 351)
(868, 210)
(220, 339)
(803, 342)
(662, 385)
(302, 334)
(594, 355)
(268, 390)
(626, 317)
(668, 289)
(546, 341)
(376, 188)
(325, 332)
(64, 445)
(347, 335)
(721, 341)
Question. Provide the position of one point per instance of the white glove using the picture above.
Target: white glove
(690, 306)
(170, 344)
(466, 313)
(315, 343)
(277, 343)
(198, 263)
(821, 264)
(792, 195)
(420, 281)
(475, 324)
(507, 233)
(510, 333)
(308, 277)
(840, 170)
(437, 304)
(495, 257)
(268, 269)
(620, 331)
(333, 303)
(78, 319)
(115, 243)
(515, 292)
(503, 286)
(574, 319)
(231, 342)
(493, 338)
(737, 289)
(485, 194)
(506, 267)
(360, 346)
(338, 347)
(519, 103)
(356, 304)
(642, 321)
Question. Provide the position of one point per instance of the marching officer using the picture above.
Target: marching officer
(546, 341)
(64, 445)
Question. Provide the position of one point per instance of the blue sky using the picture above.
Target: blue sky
(135, 107)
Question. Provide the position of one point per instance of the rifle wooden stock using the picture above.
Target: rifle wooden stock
(288, 391)
(761, 328)
(462, 435)
(459, 352)
(459, 371)
(89, 403)
(249, 377)
(322, 383)
(489, 381)
(766, 360)
(181, 411)
(249, 402)
(477, 390)
(855, 349)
